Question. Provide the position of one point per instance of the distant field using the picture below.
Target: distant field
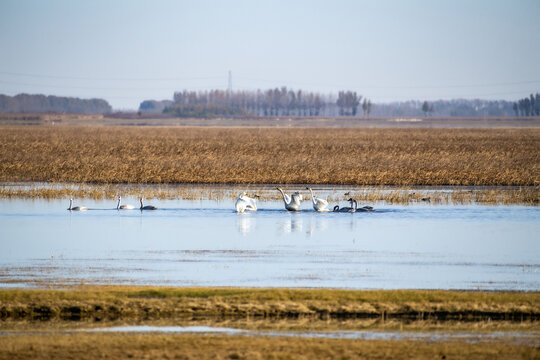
(361, 156)
(133, 119)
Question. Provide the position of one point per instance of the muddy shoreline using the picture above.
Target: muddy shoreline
(99, 303)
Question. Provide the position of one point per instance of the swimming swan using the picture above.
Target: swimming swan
(292, 203)
(76, 208)
(244, 203)
(318, 203)
(350, 209)
(362, 209)
(123, 207)
(147, 207)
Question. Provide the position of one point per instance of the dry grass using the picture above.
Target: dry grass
(364, 195)
(238, 308)
(115, 302)
(300, 324)
(267, 155)
(156, 346)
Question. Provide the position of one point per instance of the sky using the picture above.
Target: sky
(386, 50)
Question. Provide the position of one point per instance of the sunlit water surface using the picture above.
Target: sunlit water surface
(206, 243)
(437, 336)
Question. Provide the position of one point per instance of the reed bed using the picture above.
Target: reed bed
(364, 195)
(32, 321)
(359, 156)
(281, 324)
(117, 302)
(157, 346)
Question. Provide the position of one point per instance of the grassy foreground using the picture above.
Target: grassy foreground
(155, 346)
(313, 310)
(117, 302)
(361, 156)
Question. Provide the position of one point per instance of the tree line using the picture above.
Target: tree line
(59, 104)
(271, 102)
(528, 106)
(445, 108)
(299, 103)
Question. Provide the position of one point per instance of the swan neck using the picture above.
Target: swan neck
(312, 197)
(285, 200)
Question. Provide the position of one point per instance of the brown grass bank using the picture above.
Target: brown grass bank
(117, 302)
(157, 346)
(359, 156)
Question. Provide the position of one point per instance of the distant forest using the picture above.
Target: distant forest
(278, 102)
(288, 102)
(59, 104)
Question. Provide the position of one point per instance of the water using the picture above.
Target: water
(206, 243)
(513, 337)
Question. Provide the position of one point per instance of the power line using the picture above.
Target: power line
(396, 86)
(268, 81)
(111, 79)
(169, 88)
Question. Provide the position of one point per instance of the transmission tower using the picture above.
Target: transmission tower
(229, 87)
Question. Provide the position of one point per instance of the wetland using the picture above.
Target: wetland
(202, 241)
(446, 266)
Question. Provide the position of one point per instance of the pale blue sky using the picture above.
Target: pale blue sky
(128, 51)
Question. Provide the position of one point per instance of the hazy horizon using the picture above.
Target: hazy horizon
(129, 51)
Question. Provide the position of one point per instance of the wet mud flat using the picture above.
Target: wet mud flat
(198, 346)
(117, 302)
(118, 322)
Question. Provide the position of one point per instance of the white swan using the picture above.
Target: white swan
(76, 208)
(292, 203)
(123, 207)
(244, 203)
(147, 207)
(318, 203)
(350, 209)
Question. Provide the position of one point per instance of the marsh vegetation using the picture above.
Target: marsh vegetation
(404, 157)
(193, 346)
(24, 313)
(365, 194)
(133, 302)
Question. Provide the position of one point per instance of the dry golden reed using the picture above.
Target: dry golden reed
(191, 346)
(359, 156)
(160, 302)
(366, 195)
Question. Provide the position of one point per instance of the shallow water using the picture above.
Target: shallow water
(514, 337)
(206, 243)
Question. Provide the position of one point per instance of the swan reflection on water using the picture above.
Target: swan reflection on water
(317, 224)
(245, 223)
(291, 225)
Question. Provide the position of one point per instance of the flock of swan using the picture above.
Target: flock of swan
(118, 206)
(246, 203)
(292, 203)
